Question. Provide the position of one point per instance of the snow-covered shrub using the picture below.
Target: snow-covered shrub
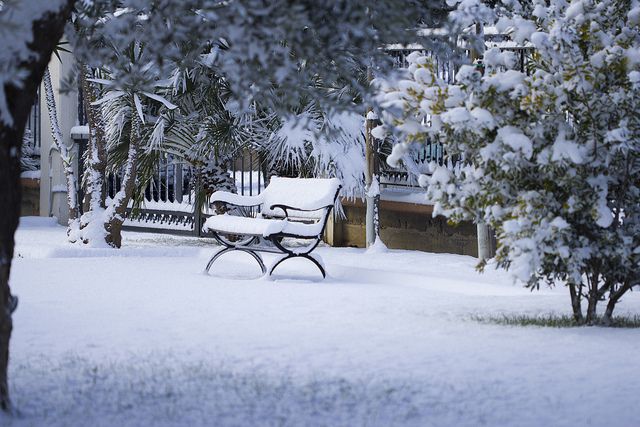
(550, 159)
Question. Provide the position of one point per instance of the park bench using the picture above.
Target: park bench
(288, 207)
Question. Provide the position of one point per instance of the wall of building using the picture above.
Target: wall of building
(30, 205)
(53, 192)
(404, 226)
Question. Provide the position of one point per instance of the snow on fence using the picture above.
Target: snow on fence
(169, 197)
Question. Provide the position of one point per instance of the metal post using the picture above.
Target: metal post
(482, 229)
(485, 249)
(259, 173)
(159, 183)
(178, 182)
(251, 173)
(166, 178)
(197, 206)
(372, 225)
(242, 174)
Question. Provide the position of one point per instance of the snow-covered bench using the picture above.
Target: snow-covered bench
(290, 207)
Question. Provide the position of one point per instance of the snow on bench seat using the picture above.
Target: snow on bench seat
(287, 207)
(250, 226)
(301, 193)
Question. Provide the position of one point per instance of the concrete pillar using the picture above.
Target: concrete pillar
(485, 250)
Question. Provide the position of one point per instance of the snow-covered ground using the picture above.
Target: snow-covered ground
(139, 336)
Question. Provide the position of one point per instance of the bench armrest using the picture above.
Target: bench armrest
(236, 199)
(286, 208)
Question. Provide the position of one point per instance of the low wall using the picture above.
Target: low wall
(404, 226)
(30, 205)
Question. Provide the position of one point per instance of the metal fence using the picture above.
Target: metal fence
(34, 126)
(169, 203)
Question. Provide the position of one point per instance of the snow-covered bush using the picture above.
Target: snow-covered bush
(550, 158)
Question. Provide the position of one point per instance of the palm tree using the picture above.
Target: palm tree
(207, 129)
(61, 147)
(130, 113)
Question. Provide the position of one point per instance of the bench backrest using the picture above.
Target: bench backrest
(302, 193)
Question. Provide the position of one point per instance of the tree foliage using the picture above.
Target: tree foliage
(549, 158)
(241, 78)
(259, 47)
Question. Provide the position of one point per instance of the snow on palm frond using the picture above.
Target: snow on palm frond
(340, 152)
(290, 146)
(206, 125)
(157, 135)
(181, 139)
(116, 113)
(315, 144)
(118, 104)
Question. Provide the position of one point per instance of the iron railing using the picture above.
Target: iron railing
(34, 126)
(169, 203)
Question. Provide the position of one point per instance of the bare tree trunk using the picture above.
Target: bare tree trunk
(591, 310)
(593, 298)
(46, 33)
(72, 197)
(607, 319)
(115, 213)
(614, 297)
(10, 138)
(576, 299)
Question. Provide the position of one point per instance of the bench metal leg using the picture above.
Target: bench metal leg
(242, 246)
(293, 255)
(223, 251)
(216, 256)
(229, 248)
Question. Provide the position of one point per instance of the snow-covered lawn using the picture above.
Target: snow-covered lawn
(139, 336)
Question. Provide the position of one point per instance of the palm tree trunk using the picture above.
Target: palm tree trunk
(92, 222)
(96, 164)
(72, 197)
(116, 212)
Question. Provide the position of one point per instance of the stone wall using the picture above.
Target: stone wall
(404, 226)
